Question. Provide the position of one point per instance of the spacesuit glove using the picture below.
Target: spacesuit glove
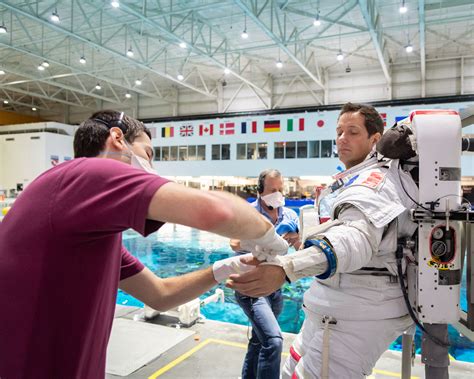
(267, 246)
(225, 267)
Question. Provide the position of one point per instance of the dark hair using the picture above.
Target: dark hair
(91, 135)
(271, 172)
(373, 120)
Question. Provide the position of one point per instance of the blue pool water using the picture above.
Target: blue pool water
(176, 250)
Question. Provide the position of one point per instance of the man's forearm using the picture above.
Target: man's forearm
(163, 294)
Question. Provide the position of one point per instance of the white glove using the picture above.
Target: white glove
(225, 267)
(266, 247)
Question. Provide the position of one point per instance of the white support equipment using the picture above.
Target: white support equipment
(190, 312)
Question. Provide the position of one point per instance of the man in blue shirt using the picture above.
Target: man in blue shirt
(265, 346)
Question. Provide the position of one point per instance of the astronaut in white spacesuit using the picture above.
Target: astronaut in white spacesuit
(355, 307)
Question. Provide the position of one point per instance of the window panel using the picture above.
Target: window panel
(201, 153)
(251, 151)
(241, 151)
(157, 153)
(302, 149)
(225, 152)
(326, 149)
(314, 149)
(216, 152)
(262, 150)
(279, 150)
(290, 150)
(183, 153)
(192, 152)
(173, 153)
(165, 153)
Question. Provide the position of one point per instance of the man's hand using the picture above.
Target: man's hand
(233, 265)
(267, 246)
(293, 239)
(261, 281)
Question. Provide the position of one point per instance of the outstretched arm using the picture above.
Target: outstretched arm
(163, 294)
(217, 212)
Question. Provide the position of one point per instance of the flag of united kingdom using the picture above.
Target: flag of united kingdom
(186, 130)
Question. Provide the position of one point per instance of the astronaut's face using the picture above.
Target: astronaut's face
(353, 141)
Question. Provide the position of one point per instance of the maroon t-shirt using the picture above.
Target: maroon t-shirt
(61, 258)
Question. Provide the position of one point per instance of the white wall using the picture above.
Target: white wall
(24, 156)
(289, 167)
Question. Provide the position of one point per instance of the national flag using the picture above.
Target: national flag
(301, 125)
(384, 118)
(206, 130)
(186, 130)
(226, 128)
(243, 127)
(400, 118)
(320, 123)
(271, 126)
(167, 131)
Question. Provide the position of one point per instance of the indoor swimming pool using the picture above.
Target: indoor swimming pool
(176, 250)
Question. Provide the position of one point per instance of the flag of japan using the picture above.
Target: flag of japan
(206, 130)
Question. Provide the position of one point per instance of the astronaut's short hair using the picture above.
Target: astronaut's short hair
(373, 120)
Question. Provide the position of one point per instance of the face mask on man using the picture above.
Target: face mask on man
(274, 200)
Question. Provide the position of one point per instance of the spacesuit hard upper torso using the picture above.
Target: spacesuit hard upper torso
(374, 209)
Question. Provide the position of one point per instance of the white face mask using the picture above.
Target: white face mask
(274, 200)
(142, 164)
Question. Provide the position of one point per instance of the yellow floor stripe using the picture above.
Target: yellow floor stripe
(178, 360)
(390, 373)
(186, 355)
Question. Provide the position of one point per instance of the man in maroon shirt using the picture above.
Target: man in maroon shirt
(62, 259)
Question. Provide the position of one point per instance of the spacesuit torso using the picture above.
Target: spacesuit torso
(373, 206)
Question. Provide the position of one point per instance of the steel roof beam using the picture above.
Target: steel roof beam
(252, 14)
(367, 8)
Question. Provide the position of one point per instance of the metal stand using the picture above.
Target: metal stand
(434, 356)
(407, 349)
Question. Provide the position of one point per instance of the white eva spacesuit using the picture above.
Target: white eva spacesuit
(355, 308)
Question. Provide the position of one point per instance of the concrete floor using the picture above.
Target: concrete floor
(217, 349)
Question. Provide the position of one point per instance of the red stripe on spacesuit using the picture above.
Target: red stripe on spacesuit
(294, 376)
(294, 354)
(433, 112)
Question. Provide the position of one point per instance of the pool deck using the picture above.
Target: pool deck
(216, 350)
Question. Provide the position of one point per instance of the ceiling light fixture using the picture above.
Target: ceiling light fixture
(5, 101)
(409, 48)
(2, 72)
(34, 109)
(244, 34)
(98, 87)
(82, 60)
(180, 77)
(317, 21)
(403, 8)
(138, 82)
(3, 29)
(45, 64)
(55, 16)
(226, 71)
(279, 63)
(130, 52)
(340, 56)
(40, 67)
(182, 45)
(115, 3)
(128, 96)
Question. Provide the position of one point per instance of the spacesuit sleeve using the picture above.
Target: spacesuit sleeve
(355, 240)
